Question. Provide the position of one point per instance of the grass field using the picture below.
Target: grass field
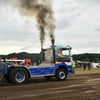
(81, 71)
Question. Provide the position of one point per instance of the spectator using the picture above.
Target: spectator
(23, 63)
(16, 63)
(74, 66)
(20, 63)
(84, 66)
(89, 66)
(31, 64)
(12, 63)
(27, 64)
(35, 64)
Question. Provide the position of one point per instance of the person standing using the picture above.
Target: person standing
(89, 66)
(84, 65)
(74, 66)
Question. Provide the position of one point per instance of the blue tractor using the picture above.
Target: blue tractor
(55, 61)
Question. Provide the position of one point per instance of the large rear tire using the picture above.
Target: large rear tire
(18, 76)
(61, 74)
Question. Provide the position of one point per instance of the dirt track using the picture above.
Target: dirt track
(75, 87)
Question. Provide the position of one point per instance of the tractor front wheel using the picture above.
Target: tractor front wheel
(61, 74)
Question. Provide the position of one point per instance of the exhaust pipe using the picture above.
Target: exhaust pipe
(53, 51)
(41, 54)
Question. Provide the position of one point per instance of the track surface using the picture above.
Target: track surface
(75, 87)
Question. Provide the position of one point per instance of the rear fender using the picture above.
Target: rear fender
(27, 70)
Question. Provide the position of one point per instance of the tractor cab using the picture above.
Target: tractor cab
(60, 54)
(63, 54)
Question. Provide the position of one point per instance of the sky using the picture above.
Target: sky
(77, 25)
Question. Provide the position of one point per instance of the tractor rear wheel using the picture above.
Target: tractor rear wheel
(19, 76)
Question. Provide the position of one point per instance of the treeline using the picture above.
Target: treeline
(23, 55)
(92, 57)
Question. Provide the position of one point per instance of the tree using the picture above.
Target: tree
(83, 60)
(87, 59)
(91, 56)
(96, 59)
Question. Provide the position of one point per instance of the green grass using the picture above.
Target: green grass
(81, 71)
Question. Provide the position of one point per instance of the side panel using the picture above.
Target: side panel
(42, 71)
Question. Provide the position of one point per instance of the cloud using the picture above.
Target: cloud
(77, 25)
(89, 1)
(25, 48)
(98, 29)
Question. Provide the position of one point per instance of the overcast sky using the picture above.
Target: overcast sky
(77, 25)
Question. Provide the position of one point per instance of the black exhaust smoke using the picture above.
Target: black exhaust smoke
(43, 13)
(41, 10)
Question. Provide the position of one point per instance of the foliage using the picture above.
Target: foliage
(92, 57)
(87, 59)
(24, 55)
